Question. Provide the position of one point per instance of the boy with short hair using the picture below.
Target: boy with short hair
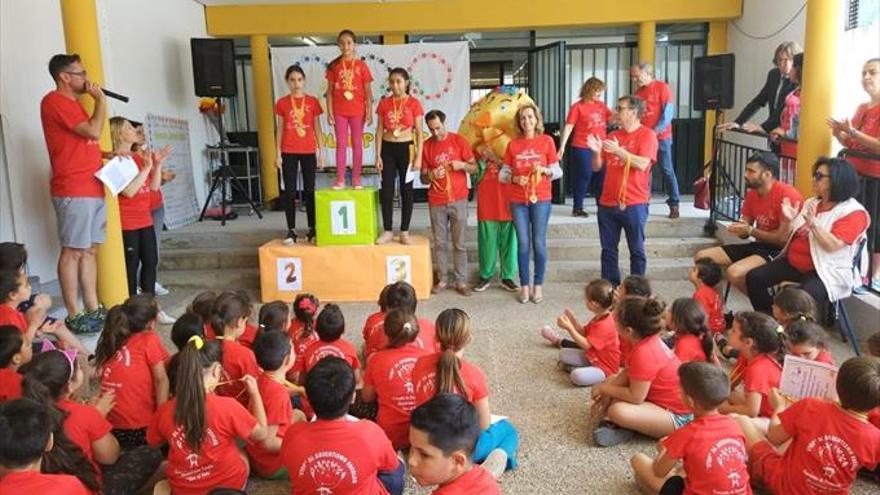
(330, 325)
(337, 452)
(443, 434)
(706, 275)
(829, 442)
(25, 434)
(711, 447)
(15, 351)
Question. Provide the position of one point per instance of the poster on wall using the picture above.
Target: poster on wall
(439, 72)
(181, 205)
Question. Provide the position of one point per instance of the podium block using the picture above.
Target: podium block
(346, 217)
(343, 273)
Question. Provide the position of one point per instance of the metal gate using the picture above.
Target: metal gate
(547, 79)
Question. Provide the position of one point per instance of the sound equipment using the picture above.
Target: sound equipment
(117, 96)
(713, 82)
(213, 62)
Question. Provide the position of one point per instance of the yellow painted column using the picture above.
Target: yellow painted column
(393, 38)
(265, 114)
(716, 44)
(80, 21)
(647, 35)
(817, 89)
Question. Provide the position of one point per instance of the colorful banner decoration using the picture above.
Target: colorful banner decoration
(181, 205)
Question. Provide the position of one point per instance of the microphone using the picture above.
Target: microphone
(116, 96)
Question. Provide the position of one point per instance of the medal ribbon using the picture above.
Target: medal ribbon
(298, 114)
(348, 76)
(621, 195)
(448, 186)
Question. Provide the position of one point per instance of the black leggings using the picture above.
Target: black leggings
(395, 164)
(141, 250)
(762, 284)
(289, 164)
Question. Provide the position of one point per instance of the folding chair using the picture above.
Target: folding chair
(839, 314)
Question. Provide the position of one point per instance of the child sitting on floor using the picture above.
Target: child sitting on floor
(374, 322)
(807, 339)
(633, 285)
(401, 295)
(711, 448)
(229, 321)
(791, 304)
(302, 326)
(15, 351)
(330, 328)
(693, 340)
(706, 275)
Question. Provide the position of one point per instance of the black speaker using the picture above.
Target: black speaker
(213, 66)
(713, 82)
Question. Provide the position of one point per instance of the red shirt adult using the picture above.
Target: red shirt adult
(713, 451)
(342, 455)
(319, 349)
(477, 481)
(641, 142)
(766, 211)
(847, 228)
(389, 372)
(867, 120)
(134, 212)
(83, 425)
(129, 375)
(762, 373)
(279, 411)
(360, 74)
(74, 158)
(10, 384)
(424, 377)
(37, 482)
(713, 305)
(298, 120)
(651, 361)
(493, 196)
(656, 96)
(427, 338)
(689, 348)
(522, 156)
(10, 315)
(604, 351)
(437, 154)
(827, 449)
(589, 117)
(218, 463)
(238, 361)
(401, 114)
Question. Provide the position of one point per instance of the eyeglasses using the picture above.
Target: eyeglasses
(817, 176)
(620, 108)
(81, 73)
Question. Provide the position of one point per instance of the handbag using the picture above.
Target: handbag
(701, 191)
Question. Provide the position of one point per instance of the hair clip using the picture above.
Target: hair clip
(197, 341)
(780, 330)
(407, 327)
(70, 354)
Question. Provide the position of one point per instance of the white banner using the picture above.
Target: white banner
(181, 204)
(439, 72)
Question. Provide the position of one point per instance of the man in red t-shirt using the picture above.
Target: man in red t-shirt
(447, 160)
(78, 196)
(761, 219)
(659, 111)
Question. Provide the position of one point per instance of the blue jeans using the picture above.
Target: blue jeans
(530, 221)
(584, 178)
(394, 481)
(664, 158)
(632, 221)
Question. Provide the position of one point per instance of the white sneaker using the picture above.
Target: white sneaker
(159, 290)
(165, 319)
(496, 463)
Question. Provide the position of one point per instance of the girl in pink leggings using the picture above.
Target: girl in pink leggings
(349, 100)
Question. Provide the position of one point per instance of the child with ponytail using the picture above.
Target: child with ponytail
(388, 377)
(645, 396)
(229, 320)
(302, 327)
(693, 338)
(201, 428)
(806, 339)
(791, 304)
(274, 316)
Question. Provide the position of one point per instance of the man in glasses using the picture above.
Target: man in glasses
(78, 196)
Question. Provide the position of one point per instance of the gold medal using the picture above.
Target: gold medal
(621, 205)
(348, 95)
(533, 198)
(300, 132)
(396, 132)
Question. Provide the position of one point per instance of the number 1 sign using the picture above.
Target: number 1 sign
(289, 274)
(343, 219)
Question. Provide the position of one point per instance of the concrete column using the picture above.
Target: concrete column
(265, 115)
(716, 44)
(393, 38)
(647, 35)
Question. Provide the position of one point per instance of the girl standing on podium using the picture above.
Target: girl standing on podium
(298, 146)
(349, 103)
(399, 125)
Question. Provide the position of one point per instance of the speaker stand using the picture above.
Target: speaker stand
(224, 177)
(711, 226)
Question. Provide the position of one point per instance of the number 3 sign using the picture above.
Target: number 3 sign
(342, 218)
(289, 274)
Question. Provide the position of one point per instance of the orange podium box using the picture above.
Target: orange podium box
(343, 273)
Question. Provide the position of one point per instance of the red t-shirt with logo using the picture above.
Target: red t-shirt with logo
(360, 74)
(655, 95)
(238, 361)
(129, 375)
(847, 228)
(83, 425)
(10, 384)
(604, 351)
(874, 417)
(493, 196)
(477, 481)
(713, 451)
(389, 372)
(134, 212)
(279, 411)
(640, 142)
(74, 158)
(689, 348)
(762, 373)
(866, 120)
(766, 211)
(827, 449)
(218, 463)
(302, 120)
(377, 340)
(588, 117)
(713, 305)
(522, 156)
(651, 361)
(36, 482)
(10, 315)
(342, 455)
(424, 377)
(407, 116)
(319, 349)
(436, 154)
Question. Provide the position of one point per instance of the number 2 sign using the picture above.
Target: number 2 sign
(289, 273)
(342, 218)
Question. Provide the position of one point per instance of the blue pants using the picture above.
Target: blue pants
(632, 221)
(584, 179)
(530, 221)
(501, 435)
(664, 158)
(394, 481)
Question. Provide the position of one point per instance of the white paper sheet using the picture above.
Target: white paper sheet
(807, 378)
(117, 173)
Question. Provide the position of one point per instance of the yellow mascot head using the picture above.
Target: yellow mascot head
(489, 125)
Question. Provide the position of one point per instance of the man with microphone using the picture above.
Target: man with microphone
(77, 195)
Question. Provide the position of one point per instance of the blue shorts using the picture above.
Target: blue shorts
(680, 420)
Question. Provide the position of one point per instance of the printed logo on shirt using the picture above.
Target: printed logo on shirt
(838, 460)
(765, 221)
(193, 470)
(427, 385)
(328, 469)
(402, 370)
(322, 352)
(729, 455)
